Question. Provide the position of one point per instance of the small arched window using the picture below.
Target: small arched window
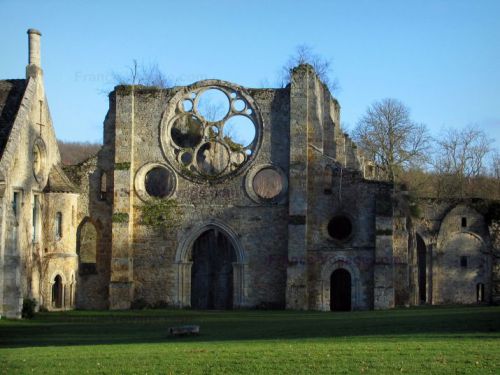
(87, 240)
(103, 186)
(58, 225)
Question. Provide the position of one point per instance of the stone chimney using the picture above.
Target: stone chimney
(34, 67)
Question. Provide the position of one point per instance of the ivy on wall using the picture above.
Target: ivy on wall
(160, 213)
(122, 166)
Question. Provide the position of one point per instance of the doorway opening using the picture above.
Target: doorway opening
(57, 293)
(212, 286)
(340, 290)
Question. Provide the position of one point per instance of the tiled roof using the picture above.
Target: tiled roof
(58, 182)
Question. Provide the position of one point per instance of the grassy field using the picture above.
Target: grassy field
(419, 340)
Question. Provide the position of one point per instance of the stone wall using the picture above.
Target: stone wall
(285, 251)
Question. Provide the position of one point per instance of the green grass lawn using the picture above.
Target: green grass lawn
(417, 340)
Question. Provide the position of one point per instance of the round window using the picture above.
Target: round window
(211, 130)
(267, 183)
(159, 182)
(340, 228)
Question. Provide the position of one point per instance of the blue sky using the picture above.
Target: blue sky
(441, 58)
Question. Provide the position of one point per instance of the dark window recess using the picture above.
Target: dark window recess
(15, 203)
(103, 187)
(340, 228)
(464, 222)
(159, 182)
(58, 225)
(463, 261)
(35, 218)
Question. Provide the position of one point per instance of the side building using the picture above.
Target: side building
(38, 203)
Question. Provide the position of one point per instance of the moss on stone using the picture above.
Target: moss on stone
(124, 166)
(160, 212)
(120, 217)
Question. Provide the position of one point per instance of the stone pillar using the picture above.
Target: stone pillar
(121, 288)
(12, 299)
(383, 270)
(429, 259)
(296, 289)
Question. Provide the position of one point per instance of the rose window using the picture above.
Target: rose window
(211, 130)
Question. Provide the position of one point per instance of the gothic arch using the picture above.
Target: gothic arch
(57, 297)
(185, 245)
(183, 263)
(97, 227)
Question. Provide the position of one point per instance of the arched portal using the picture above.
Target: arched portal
(57, 292)
(422, 270)
(188, 253)
(213, 256)
(340, 290)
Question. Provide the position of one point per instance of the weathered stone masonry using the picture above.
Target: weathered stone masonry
(177, 209)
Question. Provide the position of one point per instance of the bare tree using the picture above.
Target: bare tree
(390, 138)
(304, 54)
(460, 158)
(495, 166)
(143, 74)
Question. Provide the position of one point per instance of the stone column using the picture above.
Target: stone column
(494, 230)
(239, 285)
(383, 270)
(121, 287)
(184, 284)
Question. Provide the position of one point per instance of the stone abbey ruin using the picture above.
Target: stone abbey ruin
(175, 210)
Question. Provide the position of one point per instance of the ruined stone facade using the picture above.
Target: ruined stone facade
(178, 210)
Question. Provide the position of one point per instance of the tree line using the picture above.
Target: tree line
(459, 163)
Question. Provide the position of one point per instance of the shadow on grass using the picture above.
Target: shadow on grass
(151, 326)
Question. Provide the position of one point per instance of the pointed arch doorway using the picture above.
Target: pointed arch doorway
(340, 290)
(212, 276)
(211, 268)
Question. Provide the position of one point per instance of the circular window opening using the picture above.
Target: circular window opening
(267, 183)
(239, 132)
(212, 158)
(187, 105)
(187, 131)
(159, 182)
(340, 228)
(213, 105)
(239, 105)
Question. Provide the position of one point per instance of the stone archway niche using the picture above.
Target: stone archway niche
(194, 270)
